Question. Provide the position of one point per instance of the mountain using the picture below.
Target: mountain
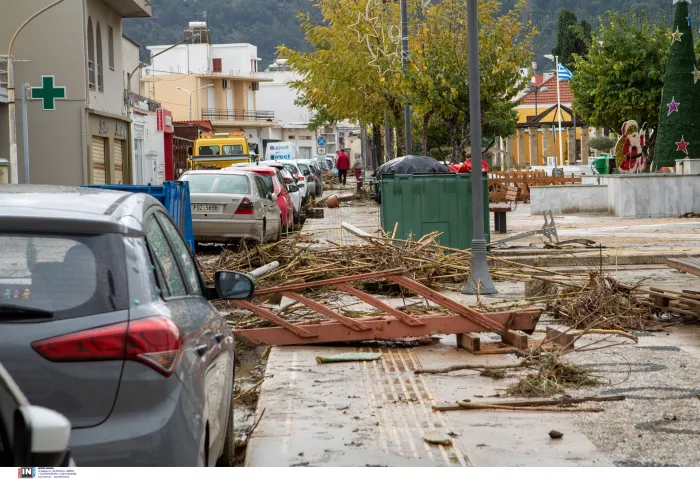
(269, 23)
(264, 23)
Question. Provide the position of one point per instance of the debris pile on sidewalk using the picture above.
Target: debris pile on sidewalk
(330, 181)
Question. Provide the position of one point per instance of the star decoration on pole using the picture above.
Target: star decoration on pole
(696, 74)
(673, 106)
(677, 35)
(683, 145)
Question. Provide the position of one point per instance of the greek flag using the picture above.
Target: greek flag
(565, 73)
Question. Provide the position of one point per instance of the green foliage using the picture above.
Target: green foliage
(602, 144)
(573, 38)
(622, 78)
(680, 86)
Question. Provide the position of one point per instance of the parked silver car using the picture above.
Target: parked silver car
(105, 318)
(232, 204)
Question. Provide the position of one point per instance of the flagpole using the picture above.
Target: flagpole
(561, 143)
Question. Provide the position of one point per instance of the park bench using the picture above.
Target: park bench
(500, 211)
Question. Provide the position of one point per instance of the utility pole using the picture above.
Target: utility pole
(480, 281)
(404, 66)
(12, 121)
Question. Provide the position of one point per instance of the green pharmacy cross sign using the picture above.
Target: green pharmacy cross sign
(48, 93)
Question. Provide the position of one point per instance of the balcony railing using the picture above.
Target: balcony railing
(238, 115)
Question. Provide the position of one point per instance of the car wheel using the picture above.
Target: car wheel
(228, 457)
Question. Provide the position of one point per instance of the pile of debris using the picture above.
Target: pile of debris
(330, 181)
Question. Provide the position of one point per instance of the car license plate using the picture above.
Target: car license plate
(206, 208)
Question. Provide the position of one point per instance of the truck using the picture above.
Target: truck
(281, 150)
(214, 152)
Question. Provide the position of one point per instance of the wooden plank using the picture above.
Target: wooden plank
(470, 342)
(517, 339)
(560, 337)
(686, 265)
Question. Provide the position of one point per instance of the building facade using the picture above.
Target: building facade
(76, 49)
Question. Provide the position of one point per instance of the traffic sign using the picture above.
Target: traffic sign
(322, 141)
(321, 151)
(48, 93)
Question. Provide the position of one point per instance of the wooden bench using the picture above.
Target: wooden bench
(500, 211)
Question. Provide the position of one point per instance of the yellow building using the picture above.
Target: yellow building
(537, 140)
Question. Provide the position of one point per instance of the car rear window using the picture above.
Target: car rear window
(305, 170)
(268, 181)
(291, 168)
(211, 150)
(70, 276)
(231, 150)
(231, 184)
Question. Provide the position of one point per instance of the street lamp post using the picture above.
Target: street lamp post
(480, 281)
(536, 90)
(12, 125)
(192, 91)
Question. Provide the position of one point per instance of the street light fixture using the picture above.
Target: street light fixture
(12, 125)
(536, 90)
(192, 91)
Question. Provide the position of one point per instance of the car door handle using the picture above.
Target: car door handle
(202, 349)
(219, 337)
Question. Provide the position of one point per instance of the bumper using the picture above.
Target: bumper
(162, 435)
(227, 229)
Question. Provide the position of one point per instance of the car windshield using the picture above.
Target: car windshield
(268, 181)
(58, 277)
(231, 184)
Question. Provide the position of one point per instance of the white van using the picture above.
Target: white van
(281, 151)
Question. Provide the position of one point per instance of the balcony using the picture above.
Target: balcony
(131, 8)
(138, 101)
(238, 115)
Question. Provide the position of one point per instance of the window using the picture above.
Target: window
(216, 64)
(110, 47)
(305, 151)
(231, 184)
(269, 183)
(230, 150)
(167, 271)
(209, 150)
(100, 72)
(91, 55)
(183, 253)
(263, 191)
(69, 276)
(292, 137)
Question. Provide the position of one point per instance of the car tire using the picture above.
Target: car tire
(228, 456)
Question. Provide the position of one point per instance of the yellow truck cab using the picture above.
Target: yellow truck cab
(219, 151)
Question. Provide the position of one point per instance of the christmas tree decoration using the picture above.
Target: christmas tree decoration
(680, 102)
(682, 145)
(673, 106)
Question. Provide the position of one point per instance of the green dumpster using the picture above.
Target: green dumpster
(602, 164)
(424, 203)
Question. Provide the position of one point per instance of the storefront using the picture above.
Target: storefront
(108, 161)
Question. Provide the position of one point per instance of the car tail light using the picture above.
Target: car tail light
(300, 178)
(245, 208)
(289, 180)
(155, 342)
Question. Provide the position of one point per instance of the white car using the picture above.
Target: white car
(30, 435)
(232, 204)
(308, 169)
(302, 175)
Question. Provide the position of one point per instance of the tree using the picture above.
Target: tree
(621, 78)
(355, 70)
(679, 127)
(602, 143)
(573, 38)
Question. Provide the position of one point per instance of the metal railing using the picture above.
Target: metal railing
(238, 115)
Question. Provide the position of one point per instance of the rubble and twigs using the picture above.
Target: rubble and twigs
(552, 375)
(330, 181)
(348, 357)
(602, 304)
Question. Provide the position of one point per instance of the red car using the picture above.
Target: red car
(275, 182)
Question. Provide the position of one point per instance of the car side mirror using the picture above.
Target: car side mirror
(274, 197)
(233, 285)
(40, 437)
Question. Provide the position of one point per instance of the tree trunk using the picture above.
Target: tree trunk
(649, 157)
(455, 142)
(378, 140)
(426, 128)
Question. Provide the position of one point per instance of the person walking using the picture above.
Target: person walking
(343, 165)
